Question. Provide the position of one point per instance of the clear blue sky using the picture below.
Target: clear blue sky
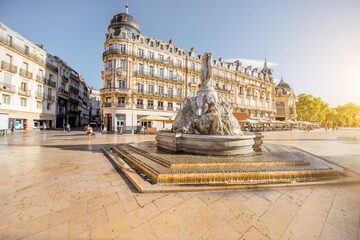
(316, 44)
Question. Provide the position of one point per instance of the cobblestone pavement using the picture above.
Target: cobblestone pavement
(58, 185)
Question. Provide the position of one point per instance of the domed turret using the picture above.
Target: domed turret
(284, 87)
(124, 21)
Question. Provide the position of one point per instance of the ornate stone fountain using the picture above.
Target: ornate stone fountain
(206, 124)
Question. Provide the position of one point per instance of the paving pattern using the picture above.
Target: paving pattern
(56, 185)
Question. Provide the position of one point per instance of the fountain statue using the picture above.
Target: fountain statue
(206, 124)
(207, 113)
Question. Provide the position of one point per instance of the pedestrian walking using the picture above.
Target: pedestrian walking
(68, 127)
(89, 131)
(102, 128)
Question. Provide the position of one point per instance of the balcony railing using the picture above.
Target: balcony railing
(114, 89)
(107, 104)
(7, 87)
(140, 106)
(160, 107)
(63, 92)
(157, 94)
(40, 79)
(24, 92)
(8, 67)
(50, 98)
(21, 50)
(25, 73)
(142, 56)
(64, 78)
(150, 106)
(121, 105)
(74, 89)
(159, 77)
(50, 83)
(39, 95)
(52, 67)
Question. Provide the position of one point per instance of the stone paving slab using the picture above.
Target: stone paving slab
(62, 187)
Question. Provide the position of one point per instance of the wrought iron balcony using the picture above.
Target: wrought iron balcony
(63, 92)
(8, 67)
(25, 73)
(158, 60)
(115, 89)
(7, 87)
(143, 74)
(74, 89)
(50, 98)
(52, 67)
(64, 78)
(50, 83)
(115, 51)
(39, 95)
(24, 92)
(25, 52)
(40, 79)
(107, 104)
(140, 106)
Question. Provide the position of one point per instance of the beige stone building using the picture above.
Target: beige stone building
(27, 85)
(285, 100)
(37, 88)
(144, 76)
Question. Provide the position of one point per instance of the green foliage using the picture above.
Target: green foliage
(314, 109)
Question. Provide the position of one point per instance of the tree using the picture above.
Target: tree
(311, 108)
(348, 115)
(314, 109)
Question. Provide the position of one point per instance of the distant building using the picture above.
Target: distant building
(285, 100)
(95, 107)
(27, 82)
(84, 103)
(68, 95)
(144, 76)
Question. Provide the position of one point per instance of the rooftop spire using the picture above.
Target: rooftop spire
(126, 8)
(265, 63)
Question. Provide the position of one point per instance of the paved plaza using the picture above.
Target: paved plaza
(56, 185)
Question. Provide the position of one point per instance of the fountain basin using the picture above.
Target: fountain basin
(221, 145)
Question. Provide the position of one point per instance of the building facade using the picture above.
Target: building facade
(73, 97)
(27, 85)
(144, 76)
(36, 88)
(285, 100)
(84, 103)
(95, 108)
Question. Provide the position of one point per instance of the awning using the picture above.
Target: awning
(251, 121)
(155, 119)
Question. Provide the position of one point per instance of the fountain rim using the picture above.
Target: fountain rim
(208, 136)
